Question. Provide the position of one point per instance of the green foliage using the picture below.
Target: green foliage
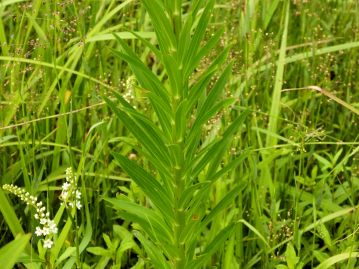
(9, 254)
(173, 148)
(205, 134)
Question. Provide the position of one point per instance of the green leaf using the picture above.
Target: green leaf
(10, 253)
(9, 214)
(149, 185)
(213, 154)
(150, 220)
(276, 97)
(189, 58)
(337, 258)
(324, 234)
(145, 77)
(157, 92)
(153, 252)
(162, 25)
(291, 256)
(99, 251)
(146, 134)
(212, 247)
(204, 51)
(195, 228)
(207, 110)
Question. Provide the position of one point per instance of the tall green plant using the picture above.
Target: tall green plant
(185, 167)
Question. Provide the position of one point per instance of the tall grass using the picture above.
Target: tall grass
(204, 134)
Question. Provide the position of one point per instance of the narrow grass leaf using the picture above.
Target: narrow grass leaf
(337, 258)
(254, 230)
(276, 96)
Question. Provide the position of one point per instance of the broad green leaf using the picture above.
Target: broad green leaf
(10, 253)
(99, 251)
(9, 215)
(324, 234)
(122, 35)
(291, 256)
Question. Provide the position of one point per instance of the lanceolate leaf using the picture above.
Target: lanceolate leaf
(213, 152)
(149, 45)
(216, 91)
(199, 88)
(147, 136)
(212, 42)
(149, 220)
(212, 247)
(158, 94)
(188, 60)
(162, 25)
(145, 77)
(154, 252)
(151, 187)
(197, 227)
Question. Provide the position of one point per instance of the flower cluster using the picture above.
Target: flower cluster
(47, 226)
(70, 195)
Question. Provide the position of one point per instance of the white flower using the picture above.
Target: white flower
(64, 195)
(78, 205)
(70, 195)
(46, 231)
(47, 226)
(48, 243)
(52, 226)
(38, 231)
(78, 195)
(66, 186)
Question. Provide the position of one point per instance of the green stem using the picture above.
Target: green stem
(74, 221)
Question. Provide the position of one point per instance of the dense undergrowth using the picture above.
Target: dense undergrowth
(258, 170)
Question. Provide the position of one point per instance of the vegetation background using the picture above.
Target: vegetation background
(292, 197)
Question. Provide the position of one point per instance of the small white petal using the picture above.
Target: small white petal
(38, 231)
(48, 243)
